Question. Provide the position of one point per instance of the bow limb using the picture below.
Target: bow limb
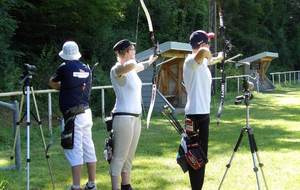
(154, 43)
(223, 75)
(150, 26)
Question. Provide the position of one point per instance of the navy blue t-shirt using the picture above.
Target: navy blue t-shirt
(76, 81)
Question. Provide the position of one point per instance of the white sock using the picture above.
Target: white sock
(76, 186)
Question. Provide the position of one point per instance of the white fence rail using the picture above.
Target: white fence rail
(238, 78)
(291, 77)
(50, 91)
(102, 89)
(282, 77)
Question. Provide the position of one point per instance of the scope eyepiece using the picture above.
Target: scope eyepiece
(29, 67)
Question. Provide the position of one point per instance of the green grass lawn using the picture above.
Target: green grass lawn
(275, 118)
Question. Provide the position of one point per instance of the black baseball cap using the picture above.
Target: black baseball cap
(198, 37)
(122, 45)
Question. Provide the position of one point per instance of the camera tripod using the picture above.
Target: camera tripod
(252, 144)
(27, 90)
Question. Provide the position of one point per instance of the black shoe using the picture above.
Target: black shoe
(126, 187)
(89, 188)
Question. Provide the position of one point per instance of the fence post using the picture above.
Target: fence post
(285, 78)
(14, 107)
(50, 113)
(18, 142)
(103, 103)
(273, 78)
(279, 79)
(238, 85)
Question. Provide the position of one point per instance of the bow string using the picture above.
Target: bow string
(155, 52)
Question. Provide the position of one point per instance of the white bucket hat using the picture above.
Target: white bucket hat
(70, 51)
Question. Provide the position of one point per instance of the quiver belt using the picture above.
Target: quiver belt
(67, 136)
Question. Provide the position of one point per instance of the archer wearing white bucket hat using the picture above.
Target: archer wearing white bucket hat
(70, 51)
(74, 81)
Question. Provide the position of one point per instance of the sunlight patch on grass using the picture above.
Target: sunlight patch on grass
(289, 140)
(279, 172)
(288, 101)
(241, 175)
(167, 162)
(273, 116)
(4, 162)
(159, 173)
(281, 123)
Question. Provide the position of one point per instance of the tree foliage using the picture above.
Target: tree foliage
(33, 31)
(267, 25)
(7, 29)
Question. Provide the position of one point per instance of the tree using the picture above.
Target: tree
(7, 56)
(33, 31)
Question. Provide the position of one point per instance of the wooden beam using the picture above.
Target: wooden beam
(264, 65)
(166, 61)
(172, 75)
(179, 76)
(163, 80)
(266, 59)
(178, 54)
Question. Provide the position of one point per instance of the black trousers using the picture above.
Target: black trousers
(201, 126)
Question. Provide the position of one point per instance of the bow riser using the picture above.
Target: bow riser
(222, 68)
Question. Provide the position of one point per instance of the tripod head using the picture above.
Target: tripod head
(247, 96)
(28, 72)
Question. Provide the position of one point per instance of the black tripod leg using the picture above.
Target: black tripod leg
(236, 147)
(260, 164)
(253, 147)
(46, 147)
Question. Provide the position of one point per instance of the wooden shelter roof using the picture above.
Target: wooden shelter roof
(167, 49)
(260, 56)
